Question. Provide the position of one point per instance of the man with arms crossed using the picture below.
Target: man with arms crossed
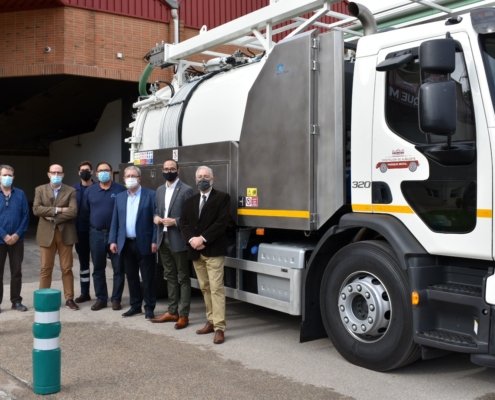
(56, 205)
(14, 221)
(170, 200)
(203, 225)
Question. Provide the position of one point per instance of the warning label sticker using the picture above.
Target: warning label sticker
(251, 201)
(252, 192)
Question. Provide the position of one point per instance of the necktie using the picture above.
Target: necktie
(202, 204)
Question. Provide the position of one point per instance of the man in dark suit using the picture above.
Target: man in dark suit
(82, 245)
(133, 237)
(203, 225)
(170, 200)
(56, 205)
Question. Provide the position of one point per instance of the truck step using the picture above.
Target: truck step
(457, 339)
(456, 288)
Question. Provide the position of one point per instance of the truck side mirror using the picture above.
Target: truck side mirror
(438, 108)
(437, 56)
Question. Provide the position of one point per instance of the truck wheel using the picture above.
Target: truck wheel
(383, 168)
(413, 166)
(366, 307)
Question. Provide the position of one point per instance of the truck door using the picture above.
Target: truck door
(446, 204)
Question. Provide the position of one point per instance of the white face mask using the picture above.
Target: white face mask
(131, 183)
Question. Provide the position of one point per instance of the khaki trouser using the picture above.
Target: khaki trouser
(48, 261)
(210, 276)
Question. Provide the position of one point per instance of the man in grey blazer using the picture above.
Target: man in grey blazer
(170, 200)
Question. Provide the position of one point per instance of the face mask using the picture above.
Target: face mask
(104, 176)
(131, 183)
(56, 180)
(7, 181)
(85, 175)
(170, 176)
(203, 184)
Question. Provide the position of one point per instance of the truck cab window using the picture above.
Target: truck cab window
(402, 103)
(488, 47)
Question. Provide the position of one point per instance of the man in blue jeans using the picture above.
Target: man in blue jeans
(82, 245)
(97, 209)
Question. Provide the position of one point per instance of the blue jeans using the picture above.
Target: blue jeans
(100, 249)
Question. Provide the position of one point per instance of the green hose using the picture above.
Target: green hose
(144, 79)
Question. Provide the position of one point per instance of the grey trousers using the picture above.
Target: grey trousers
(16, 255)
(176, 266)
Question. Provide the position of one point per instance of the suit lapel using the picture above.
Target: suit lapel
(205, 207)
(174, 196)
(60, 194)
(141, 203)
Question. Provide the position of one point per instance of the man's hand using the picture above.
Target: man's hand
(197, 242)
(113, 248)
(154, 248)
(157, 220)
(8, 239)
(15, 238)
(168, 221)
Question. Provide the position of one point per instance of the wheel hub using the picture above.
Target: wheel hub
(364, 307)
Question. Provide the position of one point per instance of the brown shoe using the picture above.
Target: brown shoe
(166, 318)
(116, 306)
(98, 306)
(70, 304)
(208, 328)
(219, 337)
(182, 322)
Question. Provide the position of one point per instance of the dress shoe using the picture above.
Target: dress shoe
(132, 311)
(70, 304)
(167, 317)
(149, 314)
(219, 337)
(19, 307)
(98, 306)
(116, 306)
(208, 328)
(83, 297)
(182, 322)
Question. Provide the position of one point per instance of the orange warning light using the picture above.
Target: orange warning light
(415, 298)
(260, 231)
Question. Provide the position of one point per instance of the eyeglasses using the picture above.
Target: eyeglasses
(55, 173)
(169, 169)
(104, 170)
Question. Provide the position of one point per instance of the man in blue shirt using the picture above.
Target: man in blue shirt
(133, 237)
(82, 245)
(14, 221)
(97, 209)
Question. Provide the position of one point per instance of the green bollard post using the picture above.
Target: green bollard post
(46, 349)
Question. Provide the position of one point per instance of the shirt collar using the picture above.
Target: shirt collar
(173, 185)
(137, 193)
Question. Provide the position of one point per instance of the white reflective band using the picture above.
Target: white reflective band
(84, 279)
(490, 290)
(86, 271)
(46, 317)
(46, 344)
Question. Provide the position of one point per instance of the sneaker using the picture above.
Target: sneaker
(70, 304)
(83, 297)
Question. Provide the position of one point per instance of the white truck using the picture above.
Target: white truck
(362, 179)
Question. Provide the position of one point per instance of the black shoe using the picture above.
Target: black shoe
(98, 306)
(149, 314)
(132, 311)
(19, 307)
(83, 297)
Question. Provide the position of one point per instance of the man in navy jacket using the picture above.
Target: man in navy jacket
(133, 237)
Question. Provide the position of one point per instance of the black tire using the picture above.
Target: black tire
(160, 283)
(367, 281)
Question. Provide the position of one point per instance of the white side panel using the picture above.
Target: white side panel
(362, 123)
(216, 110)
(151, 128)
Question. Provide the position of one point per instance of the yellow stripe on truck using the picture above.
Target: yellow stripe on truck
(484, 213)
(393, 209)
(255, 212)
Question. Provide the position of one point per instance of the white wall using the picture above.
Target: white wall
(103, 144)
(29, 172)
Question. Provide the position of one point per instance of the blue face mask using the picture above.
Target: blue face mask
(103, 176)
(7, 181)
(56, 179)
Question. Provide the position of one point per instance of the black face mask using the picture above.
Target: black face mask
(170, 176)
(85, 175)
(203, 184)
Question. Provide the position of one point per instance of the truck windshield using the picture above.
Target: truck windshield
(488, 47)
